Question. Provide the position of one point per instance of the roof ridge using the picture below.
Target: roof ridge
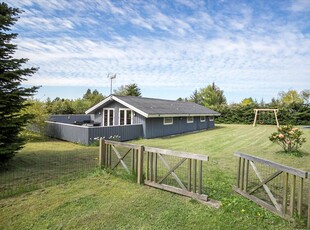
(157, 99)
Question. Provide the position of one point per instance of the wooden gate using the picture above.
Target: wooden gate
(274, 186)
(184, 169)
(176, 172)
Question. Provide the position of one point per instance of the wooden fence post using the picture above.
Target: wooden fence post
(140, 165)
(102, 153)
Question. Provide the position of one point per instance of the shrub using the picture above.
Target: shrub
(288, 137)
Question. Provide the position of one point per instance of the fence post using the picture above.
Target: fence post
(102, 153)
(140, 165)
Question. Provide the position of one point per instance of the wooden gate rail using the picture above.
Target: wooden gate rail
(194, 170)
(242, 187)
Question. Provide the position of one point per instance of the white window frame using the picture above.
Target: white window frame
(108, 117)
(125, 116)
(190, 119)
(211, 118)
(168, 123)
(202, 119)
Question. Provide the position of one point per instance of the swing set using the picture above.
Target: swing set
(274, 111)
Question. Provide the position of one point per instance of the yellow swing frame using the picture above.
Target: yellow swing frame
(275, 111)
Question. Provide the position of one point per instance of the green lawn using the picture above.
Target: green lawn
(99, 200)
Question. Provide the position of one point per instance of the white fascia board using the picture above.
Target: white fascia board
(184, 115)
(98, 105)
(130, 106)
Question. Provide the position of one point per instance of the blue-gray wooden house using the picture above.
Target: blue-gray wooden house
(158, 117)
(129, 117)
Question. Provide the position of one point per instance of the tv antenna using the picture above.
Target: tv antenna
(111, 76)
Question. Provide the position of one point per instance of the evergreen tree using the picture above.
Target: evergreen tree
(12, 94)
(128, 90)
(211, 95)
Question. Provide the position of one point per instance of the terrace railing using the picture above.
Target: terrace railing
(173, 171)
(278, 188)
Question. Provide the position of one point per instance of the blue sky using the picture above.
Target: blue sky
(169, 48)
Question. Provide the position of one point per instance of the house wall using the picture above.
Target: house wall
(137, 118)
(155, 127)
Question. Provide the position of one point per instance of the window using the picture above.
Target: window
(108, 117)
(211, 118)
(202, 119)
(190, 119)
(125, 117)
(168, 120)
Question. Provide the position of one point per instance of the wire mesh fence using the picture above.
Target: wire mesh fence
(27, 172)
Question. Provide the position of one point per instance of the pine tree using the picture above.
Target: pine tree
(12, 95)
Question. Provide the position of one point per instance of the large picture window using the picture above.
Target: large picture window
(125, 117)
(168, 120)
(108, 117)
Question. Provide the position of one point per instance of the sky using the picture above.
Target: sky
(168, 48)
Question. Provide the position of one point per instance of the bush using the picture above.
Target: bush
(288, 137)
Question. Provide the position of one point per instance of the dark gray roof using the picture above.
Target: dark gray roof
(151, 107)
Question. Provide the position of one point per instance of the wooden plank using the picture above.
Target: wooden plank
(285, 187)
(277, 173)
(239, 172)
(275, 115)
(269, 193)
(255, 118)
(201, 197)
(242, 173)
(127, 145)
(246, 175)
(151, 167)
(199, 177)
(140, 165)
(292, 198)
(300, 196)
(265, 110)
(147, 166)
(171, 171)
(189, 175)
(102, 153)
(177, 154)
(155, 168)
(272, 164)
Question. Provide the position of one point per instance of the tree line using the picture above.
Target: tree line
(294, 107)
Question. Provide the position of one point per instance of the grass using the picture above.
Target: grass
(43, 162)
(103, 201)
(220, 144)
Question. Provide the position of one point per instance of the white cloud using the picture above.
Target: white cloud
(300, 5)
(159, 45)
